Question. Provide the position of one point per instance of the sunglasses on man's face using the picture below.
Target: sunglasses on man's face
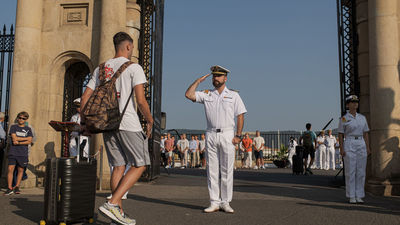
(22, 118)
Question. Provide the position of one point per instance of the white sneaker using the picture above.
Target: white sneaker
(211, 208)
(227, 208)
(255, 167)
(359, 200)
(353, 201)
(124, 197)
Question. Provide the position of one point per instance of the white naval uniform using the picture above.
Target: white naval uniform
(73, 148)
(221, 110)
(330, 142)
(320, 158)
(355, 160)
(292, 151)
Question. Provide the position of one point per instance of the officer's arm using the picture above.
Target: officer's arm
(341, 144)
(366, 139)
(191, 91)
(240, 122)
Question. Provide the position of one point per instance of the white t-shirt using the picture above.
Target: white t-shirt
(258, 142)
(183, 144)
(132, 76)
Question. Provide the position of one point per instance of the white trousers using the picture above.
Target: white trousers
(185, 158)
(220, 153)
(355, 162)
(330, 158)
(321, 159)
(292, 152)
(248, 159)
(73, 147)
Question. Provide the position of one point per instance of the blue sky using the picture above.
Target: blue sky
(282, 55)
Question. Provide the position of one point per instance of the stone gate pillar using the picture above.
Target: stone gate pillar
(384, 97)
(26, 65)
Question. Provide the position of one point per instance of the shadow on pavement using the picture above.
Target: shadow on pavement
(28, 209)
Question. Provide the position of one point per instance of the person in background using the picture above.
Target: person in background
(330, 142)
(74, 148)
(21, 136)
(309, 141)
(183, 147)
(321, 151)
(291, 150)
(202, 146)
(258, 144)
(169, 148)
(193, 146)
(247, 144)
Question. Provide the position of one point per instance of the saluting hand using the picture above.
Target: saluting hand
(201, 79)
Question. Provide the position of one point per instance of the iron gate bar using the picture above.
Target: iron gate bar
(348, 50)
(6, 50)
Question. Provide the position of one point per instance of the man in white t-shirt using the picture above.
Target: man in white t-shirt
(128, 145)
(258, 144)
(183, 147)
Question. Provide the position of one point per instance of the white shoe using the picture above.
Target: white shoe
(211, 208)
(353, 201)
(227, 208)
(359, 200)
(124, 197)
(255, 167)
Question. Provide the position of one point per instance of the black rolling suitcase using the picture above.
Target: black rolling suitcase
(70, 189)
(297, 160)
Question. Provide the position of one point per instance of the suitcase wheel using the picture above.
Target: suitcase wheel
(91, 220)
(42, 222)
(62, 223)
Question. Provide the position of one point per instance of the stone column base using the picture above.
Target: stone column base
(105, 182)
(383, 188)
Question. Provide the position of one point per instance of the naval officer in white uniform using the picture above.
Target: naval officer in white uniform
(221, 106)
(354, 147)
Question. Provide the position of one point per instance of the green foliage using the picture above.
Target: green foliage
(282, 154)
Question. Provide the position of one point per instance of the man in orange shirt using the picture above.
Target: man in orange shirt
(247, 144)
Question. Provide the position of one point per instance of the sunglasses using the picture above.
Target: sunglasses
(22, 118)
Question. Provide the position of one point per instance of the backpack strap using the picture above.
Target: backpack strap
(120, 70)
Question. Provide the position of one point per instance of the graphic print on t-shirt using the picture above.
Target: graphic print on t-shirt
(108, 71)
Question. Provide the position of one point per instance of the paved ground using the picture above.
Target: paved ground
(271, 196)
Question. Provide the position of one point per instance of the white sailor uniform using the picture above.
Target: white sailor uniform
(330, 142)
(221, 110)
(321, 156)
(355, 160)
(291, 151)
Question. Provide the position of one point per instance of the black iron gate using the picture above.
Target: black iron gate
(6, 58)
(348, 45)
(150, 58)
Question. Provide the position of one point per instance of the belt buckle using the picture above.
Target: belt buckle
(218, 130)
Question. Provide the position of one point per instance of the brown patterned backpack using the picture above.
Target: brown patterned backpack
(101, 112)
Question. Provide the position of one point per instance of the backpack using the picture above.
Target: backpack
(101, 112)
(307, 139)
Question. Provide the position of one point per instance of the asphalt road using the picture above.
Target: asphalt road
(271, 196)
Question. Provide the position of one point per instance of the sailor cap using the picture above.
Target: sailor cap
(219, 70)
(352, 98)
(77, 101)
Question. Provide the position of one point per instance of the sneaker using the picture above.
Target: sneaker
(114, 213)
(359, 200)
(211, 208)
(353, 201)
(124, 197)
(227, 208)
(16, 190)
(309, 171)
(9, 192)
(256, 167)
